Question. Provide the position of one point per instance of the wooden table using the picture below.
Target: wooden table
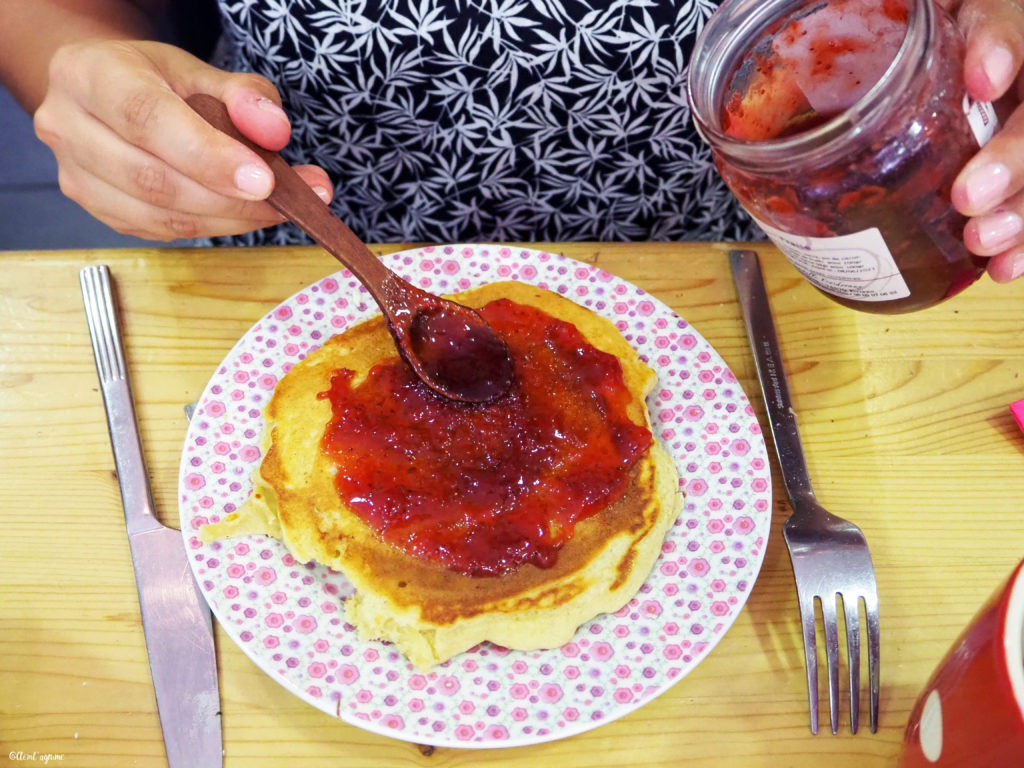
(906, 427)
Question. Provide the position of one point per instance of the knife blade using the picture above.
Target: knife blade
(175, 617)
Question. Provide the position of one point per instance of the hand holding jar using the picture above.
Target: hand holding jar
(990, 188)
(841, 126)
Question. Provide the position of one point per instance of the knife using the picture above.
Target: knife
(175, 617)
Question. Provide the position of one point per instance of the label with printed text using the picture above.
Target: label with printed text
(982, 118)
(858, 267)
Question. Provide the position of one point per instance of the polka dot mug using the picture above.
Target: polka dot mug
(971, 712)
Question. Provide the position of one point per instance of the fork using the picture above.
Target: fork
(830, 556)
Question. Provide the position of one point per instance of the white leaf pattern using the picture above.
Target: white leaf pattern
(492, 120)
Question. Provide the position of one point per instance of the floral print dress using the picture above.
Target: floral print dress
(492, 120)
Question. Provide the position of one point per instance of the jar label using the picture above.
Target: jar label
(982, 118)
(858, 267)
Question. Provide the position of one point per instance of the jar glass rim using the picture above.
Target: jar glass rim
(724, 41)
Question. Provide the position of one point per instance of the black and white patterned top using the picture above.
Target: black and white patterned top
(492, 120)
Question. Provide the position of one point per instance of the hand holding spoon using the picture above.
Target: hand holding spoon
(449, 346)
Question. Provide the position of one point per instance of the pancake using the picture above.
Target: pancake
(429, 610)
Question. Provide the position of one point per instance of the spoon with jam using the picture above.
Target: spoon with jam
(449, 346)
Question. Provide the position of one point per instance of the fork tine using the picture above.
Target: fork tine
(852, 609)
(831, 622)
(871, 611)
(807, 621)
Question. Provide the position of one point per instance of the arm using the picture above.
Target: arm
(109, 103)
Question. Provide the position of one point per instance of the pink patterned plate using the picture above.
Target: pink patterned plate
(287, 616)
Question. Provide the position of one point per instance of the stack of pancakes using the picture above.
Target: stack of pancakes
(429, 612)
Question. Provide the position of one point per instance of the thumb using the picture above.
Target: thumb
(252, 101)
(994, 30)
(255, 109)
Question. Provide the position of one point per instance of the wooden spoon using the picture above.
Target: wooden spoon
(449, 346)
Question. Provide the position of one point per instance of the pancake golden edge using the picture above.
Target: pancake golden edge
(428, 612)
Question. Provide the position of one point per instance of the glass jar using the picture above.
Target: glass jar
(840, 126)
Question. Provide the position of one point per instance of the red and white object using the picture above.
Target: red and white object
(971, 712)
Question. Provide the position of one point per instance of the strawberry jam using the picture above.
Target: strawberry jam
(482, 489)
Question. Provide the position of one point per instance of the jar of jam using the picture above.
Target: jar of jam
(840, 126)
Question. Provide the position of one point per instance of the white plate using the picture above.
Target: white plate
(287, 616)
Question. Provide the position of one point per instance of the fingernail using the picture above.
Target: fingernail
(997, 230)
(985, 186)
(998, 66)
(323, 194)
(1017, 267)
(254, 180)
(270, 106)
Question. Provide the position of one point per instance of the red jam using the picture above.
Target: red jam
(483, 489)
(467, 360)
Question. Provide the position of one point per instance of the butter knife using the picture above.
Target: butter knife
(175, 617)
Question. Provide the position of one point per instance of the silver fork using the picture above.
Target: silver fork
(830, 556)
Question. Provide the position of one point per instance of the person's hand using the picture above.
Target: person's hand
(990, 188)
(131, 152)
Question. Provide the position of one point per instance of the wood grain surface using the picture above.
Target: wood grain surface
(905, 421)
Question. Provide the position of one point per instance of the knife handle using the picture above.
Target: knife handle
(764, 344)
(108, 349)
